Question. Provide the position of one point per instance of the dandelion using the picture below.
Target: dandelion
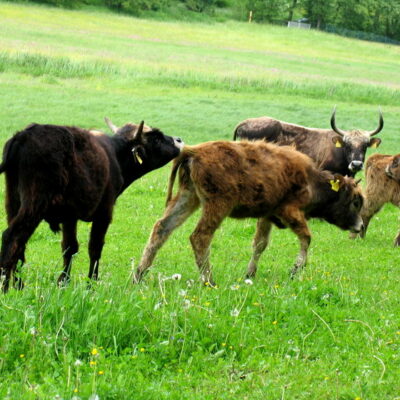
(398, 333)
(231, 347)
(101, 372)
(176, 277)
(274, 322)
(78, 363)
(142, 349)
(235, 287)
(207, 303)
(180, 370)
(326, 378)
(235, 312)
(256, 304)
(92, 363)
(76, 390)
(223, 344)
(357, 398)
(94, 352)
(134, 356)
(22, 356)
(276, 286)
(248, 282)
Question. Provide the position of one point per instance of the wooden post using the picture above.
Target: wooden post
(250, 16)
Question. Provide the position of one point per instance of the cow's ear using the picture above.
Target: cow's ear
(337, 141)
(139, 154)
(374, 143)
(337, 182)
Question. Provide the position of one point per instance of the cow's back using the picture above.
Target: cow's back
(249, 175)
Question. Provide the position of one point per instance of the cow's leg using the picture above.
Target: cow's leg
(295, 220)
(97, 234)
(69, 247)
(14, 240)
(260, 242)
(212, 216)
(176, 213)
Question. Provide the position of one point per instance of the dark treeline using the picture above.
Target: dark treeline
(378, 17)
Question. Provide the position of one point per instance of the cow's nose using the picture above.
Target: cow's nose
(357, 164)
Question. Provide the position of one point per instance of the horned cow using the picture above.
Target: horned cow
(275, 184)
(382, 176)
(63, 174)
(335, 150)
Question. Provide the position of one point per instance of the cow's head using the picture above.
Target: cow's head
(345, 202)
(393, 168)
(355, 143)
(150, 147)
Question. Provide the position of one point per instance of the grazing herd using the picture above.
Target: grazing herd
(63, 174)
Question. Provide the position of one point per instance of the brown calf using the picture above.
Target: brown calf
(382, 186)
(277, 185)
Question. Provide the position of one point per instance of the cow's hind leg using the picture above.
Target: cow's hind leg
(176, 213)
(212, 216)
(295, 220)
(96, 243)
(260, 242)
(69, 247)
(14, 240)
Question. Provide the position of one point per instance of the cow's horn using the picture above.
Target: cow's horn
(333, 124)
(139, 131)
(380, 126)
(113, 128)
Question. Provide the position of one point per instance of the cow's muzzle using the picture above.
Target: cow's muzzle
(179, 143)
(355, 166)
(358, 226)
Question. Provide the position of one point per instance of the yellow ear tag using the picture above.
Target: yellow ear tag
(138, 158)
(335, 185)
(374, 145)
(338, 144)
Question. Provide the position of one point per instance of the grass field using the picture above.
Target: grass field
(333, 333)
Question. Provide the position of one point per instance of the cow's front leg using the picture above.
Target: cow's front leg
(295, 220)
(260, 242)
(176, 213)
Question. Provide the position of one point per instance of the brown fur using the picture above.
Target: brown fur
(275, 184)
(382, 186)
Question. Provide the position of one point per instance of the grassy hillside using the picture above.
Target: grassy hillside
(332, 333)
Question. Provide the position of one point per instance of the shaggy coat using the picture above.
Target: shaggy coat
(382, 186)
(277, 185)
(334, 150)
(63, 174)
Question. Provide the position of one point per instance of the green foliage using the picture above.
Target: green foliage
(333, 332)
(266, 10)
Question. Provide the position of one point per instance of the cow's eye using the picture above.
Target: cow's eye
(395, 162)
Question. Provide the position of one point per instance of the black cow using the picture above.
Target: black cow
(335, 150)
(63, 174)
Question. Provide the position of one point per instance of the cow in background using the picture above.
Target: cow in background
(382, 176)
(63, 174)
(275, 184)
(338, 151)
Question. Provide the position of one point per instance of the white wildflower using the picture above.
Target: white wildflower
(33, 331)
(248, 282)
(176, 277)
(158, 305)
(187, 304)
(94, 397)
(182, 292)
(235, 287)
(78, 363)
(235, 312)
(190, 282)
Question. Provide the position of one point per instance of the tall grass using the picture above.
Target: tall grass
(333, 333)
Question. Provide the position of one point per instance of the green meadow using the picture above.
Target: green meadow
(331, 333)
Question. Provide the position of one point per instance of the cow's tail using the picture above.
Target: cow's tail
(7, 155)
(235, 133)
(186, 152)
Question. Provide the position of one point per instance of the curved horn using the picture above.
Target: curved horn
(333, 124)
(380, 126)
(113, 128)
